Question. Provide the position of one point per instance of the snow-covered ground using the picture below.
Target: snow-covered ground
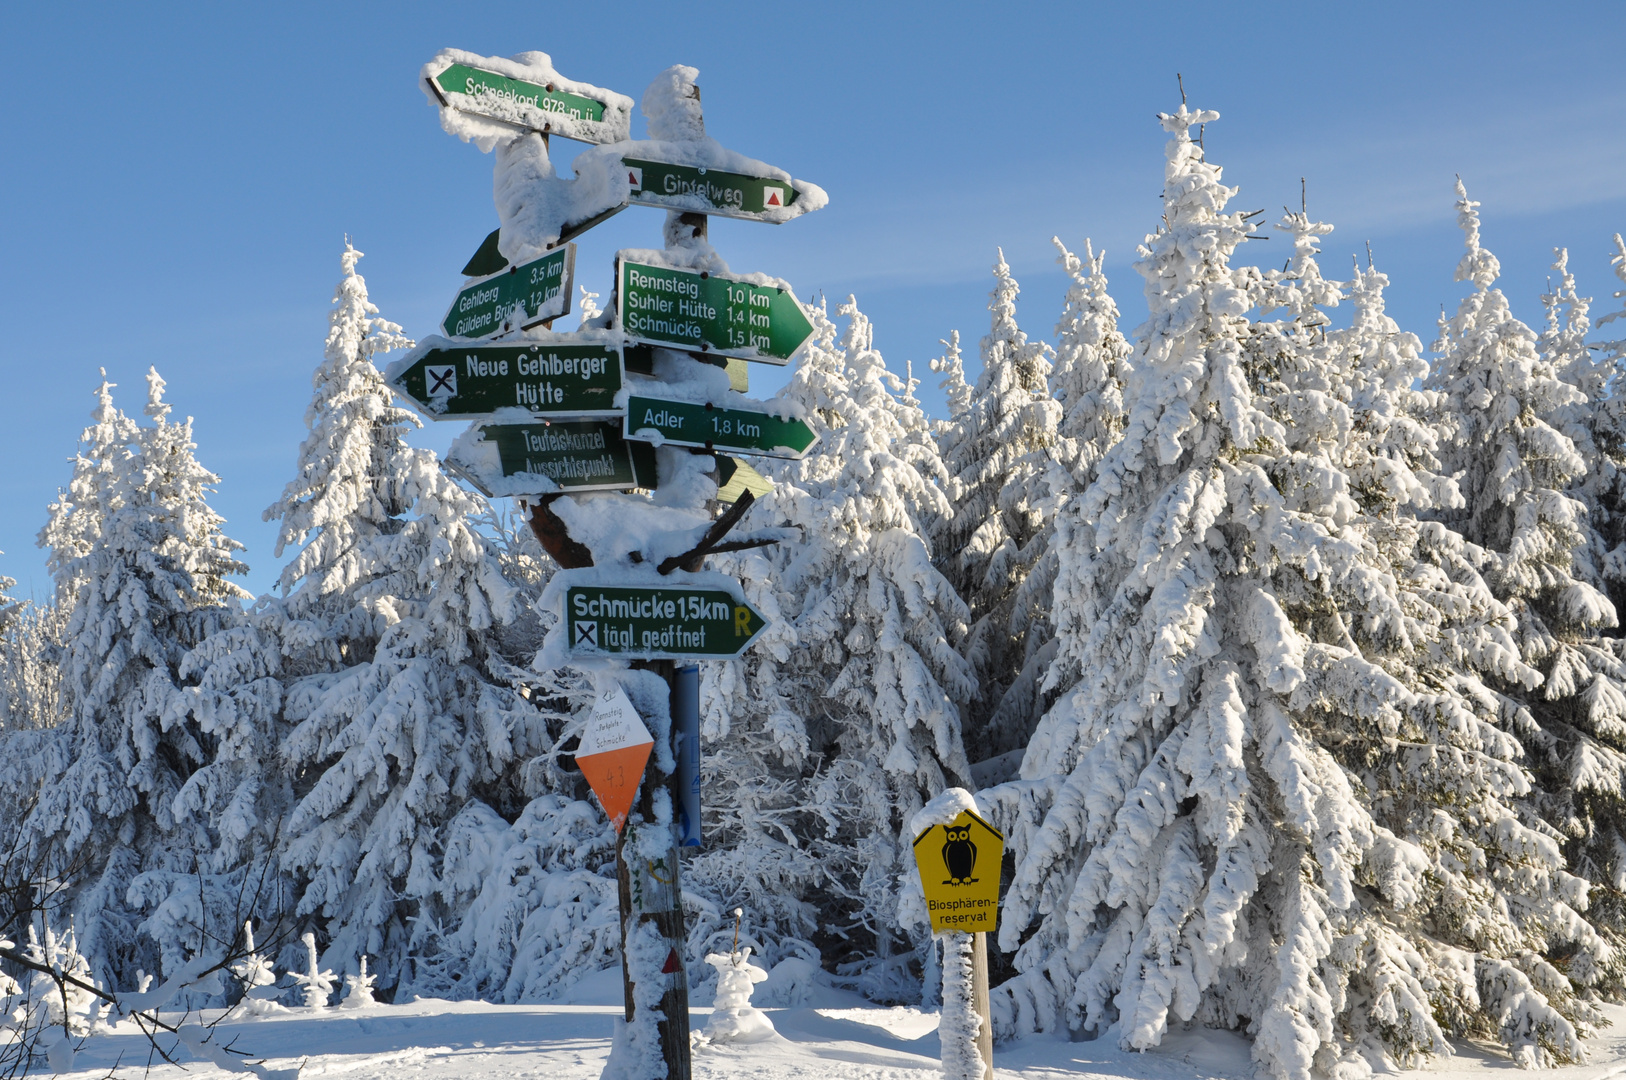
(841, 1035)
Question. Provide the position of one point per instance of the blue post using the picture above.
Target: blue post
(686, 737)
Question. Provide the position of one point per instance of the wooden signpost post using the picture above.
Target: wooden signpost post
(959, 863)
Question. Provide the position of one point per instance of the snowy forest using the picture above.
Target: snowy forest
(1283, 648)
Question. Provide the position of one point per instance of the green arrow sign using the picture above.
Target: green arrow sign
(514, 299)
(539, 458)
(714, 313)
(446, 381)
(655, 622)
(713, 427)
(540, 107)
(710, 191)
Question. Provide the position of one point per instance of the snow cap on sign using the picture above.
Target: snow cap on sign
(672, 106)
(948, 805)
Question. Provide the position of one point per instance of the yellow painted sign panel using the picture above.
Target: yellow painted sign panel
(959, 871)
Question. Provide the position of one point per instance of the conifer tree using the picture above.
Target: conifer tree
(10, 607)
(399, 709)
(1092, 360)
(1597, 426)
(1277, 742)
(341, 512)
(874, 675)
(1092, 364)
(152, 579)
(30, 679)
(1503, 412)
(997, 454)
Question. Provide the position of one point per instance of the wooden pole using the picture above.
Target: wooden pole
(652, 893)
(979, 1002)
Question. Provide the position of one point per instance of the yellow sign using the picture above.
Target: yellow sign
(959, 871)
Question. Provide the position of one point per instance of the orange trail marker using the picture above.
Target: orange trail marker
(613, 752)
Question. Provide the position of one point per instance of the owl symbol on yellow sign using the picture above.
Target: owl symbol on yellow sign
(959, 873)
(959, 855)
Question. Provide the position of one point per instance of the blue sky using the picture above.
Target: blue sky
(178, 179)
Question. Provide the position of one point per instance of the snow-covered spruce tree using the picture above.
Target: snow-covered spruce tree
(874, 674)
(955, 389)
(10, 606)
(997, 454)
(30, 679)
(400, 710)
(153, 582)
(1609, 436)
(762, 840)
(1277, 798)
(1503, 406)
(523, 903)
(343, 508)
(1593, 425)
(76, 517)
(1092, 363)
(73, 526)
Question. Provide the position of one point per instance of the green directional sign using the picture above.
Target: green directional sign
(655, 622)
(541, 107)
(710, 191)
(514, 299)
(714, 313)
(686, 423)
(539, 458)
(447, 381)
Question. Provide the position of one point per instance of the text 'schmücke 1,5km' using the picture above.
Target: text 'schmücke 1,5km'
(653, 622)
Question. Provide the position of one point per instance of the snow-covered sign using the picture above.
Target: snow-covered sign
(524, 93)
(514, 299)
(753, 318)
(538, 458)
(613, 752)
(713, 426)
(959, 865)
(736, 477)
(561, 376)
(713, 191)
(659, 622)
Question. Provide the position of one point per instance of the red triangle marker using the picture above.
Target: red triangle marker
(671, 963)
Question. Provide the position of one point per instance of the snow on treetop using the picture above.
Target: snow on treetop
(487, 111)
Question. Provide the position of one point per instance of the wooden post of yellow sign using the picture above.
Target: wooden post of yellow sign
(959, 862)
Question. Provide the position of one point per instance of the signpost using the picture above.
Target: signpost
(658, 622)
(959, 864)
(959, 871)
(542, 458)
(685, 423)
(717, 313)
(547, 106)
(735, 478)
(447, 381)
(710, 191)
(654, 621)
(685, 708)
(614, 749)
(514, 299)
